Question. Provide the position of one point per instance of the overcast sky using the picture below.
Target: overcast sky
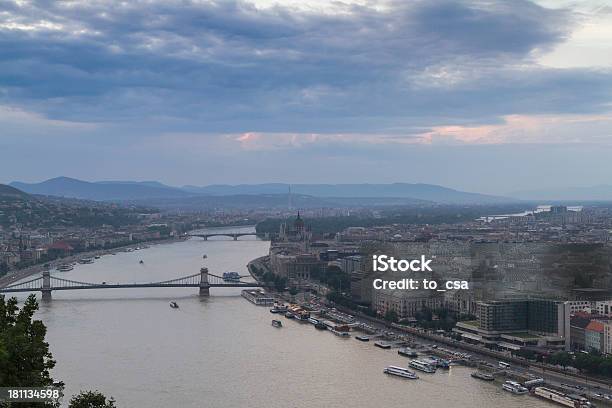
(483, 96)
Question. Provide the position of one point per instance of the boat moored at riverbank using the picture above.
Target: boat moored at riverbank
(437, 362)
(382, 344)
(342, 334)
(514, 387)
(400, 372)
(482, 376)
(299, 313)
(320, 326)
(303, 316)
(407, 352)
(549, 394)
(278, 308)
(422, 366)
(257, 297)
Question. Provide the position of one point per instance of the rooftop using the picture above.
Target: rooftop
(595, 326)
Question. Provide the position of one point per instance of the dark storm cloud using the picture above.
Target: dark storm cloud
(228, 66)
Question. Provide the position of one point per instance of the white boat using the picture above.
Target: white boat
(277, 323)
(174, 305)
(313, 320)
(400, 372)
(514, 387)
(257, 297)
(407, 352)
(86, 261)
(422, 366)
(561, 398)
(279, 308)
(65, 268)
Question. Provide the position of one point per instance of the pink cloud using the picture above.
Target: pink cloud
(527, 129)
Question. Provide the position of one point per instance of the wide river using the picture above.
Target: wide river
(222, 351)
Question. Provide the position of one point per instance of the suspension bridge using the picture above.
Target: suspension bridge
(234, 235)
(203, 280)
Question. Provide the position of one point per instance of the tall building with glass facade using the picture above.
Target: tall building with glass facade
(515, 323)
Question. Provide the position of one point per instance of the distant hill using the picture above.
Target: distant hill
(425, 192)
(142, 183)
(325, 194)
(11, 192)
(593, 193)
(101, 191)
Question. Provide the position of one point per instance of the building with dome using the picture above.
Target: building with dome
(298, 232)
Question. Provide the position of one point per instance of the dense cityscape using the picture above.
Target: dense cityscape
(538, 279)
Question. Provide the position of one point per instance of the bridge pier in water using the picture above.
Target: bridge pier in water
(204, 285)
(46, 285)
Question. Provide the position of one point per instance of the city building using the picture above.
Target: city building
(514, 324)
(405, 303)
(607, 337)
(594, 336)
(299, 232)
(578, 324)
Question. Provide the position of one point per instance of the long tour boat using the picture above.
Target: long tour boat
(400, 372)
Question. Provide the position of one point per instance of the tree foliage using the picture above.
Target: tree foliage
(25, 359)
(333, 277)
(592, 363)
(445, 320)
(562, 358)
(391, 316)
(91, 399)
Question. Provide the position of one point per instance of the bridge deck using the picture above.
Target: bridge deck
(133, 285)
(225, 234)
